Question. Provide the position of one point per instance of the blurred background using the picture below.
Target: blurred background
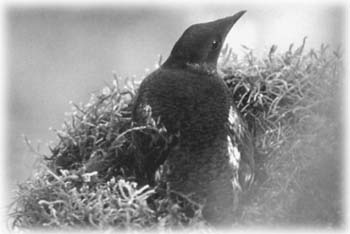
(61, 54)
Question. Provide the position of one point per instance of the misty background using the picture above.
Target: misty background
(57, 55)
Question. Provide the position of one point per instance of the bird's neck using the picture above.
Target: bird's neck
(202, 68)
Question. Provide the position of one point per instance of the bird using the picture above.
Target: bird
(213, 159)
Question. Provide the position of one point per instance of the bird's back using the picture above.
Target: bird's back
(197, 106)
(194, 104)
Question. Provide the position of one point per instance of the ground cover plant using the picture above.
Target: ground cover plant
(292, 103)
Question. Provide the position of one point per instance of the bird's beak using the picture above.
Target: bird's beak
(236, 17)
(225, 24)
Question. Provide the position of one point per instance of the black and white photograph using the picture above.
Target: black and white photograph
(166, 116)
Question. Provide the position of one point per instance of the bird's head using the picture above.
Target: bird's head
(200, 44)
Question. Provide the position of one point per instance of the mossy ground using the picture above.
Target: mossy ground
(292, 102)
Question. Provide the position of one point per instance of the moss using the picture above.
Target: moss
(291, 102)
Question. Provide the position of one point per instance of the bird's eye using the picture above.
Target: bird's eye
(215, 44)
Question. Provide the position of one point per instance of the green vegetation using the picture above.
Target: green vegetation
(292, 103)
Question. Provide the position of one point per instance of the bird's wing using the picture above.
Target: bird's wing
(241, 150)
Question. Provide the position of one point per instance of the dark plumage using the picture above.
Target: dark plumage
(193, 102)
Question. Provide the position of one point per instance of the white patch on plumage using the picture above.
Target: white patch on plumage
(234, 154)
(235, 184)
(233, 117)
(234, 160)
(234, 122)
